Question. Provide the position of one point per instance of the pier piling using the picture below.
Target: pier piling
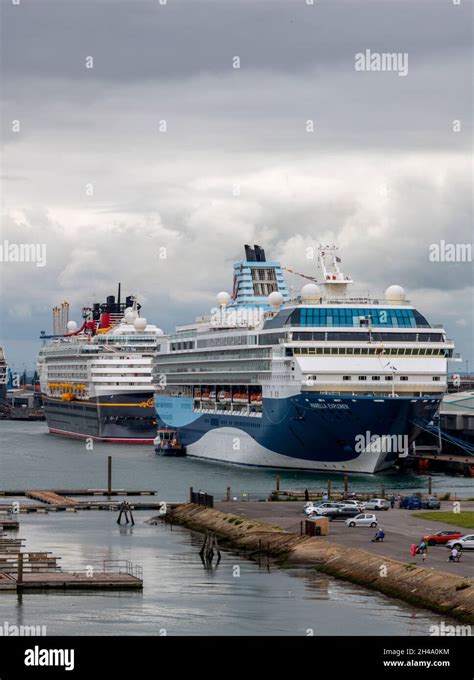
(109, 475)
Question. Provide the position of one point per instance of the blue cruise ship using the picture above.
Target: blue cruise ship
(325, 380)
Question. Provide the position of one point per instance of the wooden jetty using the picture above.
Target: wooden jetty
(7, 582)
(78, 492)
(51, 498)
(22, 571)
(8, 524)
(70, 500)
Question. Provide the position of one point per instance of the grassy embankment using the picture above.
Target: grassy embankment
(463, 520)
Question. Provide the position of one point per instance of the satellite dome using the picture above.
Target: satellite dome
(223, 298)
(140, 323)
(159, 331)
(130, 315)
(71, 326)
(275, 299)
(310, 293)
(395, 294)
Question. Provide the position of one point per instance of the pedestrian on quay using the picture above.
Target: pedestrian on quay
(413, 550)
(306, 495)
(392, 502)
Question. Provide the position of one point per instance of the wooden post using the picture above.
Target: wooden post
(429, 485)
(346, 486)
(190, 494)
(109, 475)
(228, 494)
(329, 489)
(383, 492)
(19, 579)
(278, 483)
(301, 528)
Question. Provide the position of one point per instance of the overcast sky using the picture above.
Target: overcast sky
(384, 174)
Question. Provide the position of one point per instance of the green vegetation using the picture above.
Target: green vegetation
(463, 520)
(463, 586)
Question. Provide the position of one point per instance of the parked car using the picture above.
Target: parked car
(463, 543)
(377, 504)
(411, 503)
(327, 508)
(314, 508)
(362, 520)
(359, 505)
(431, 503)
(441, 537)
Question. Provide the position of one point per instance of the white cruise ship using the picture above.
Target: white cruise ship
(96, 381)
(330, 380)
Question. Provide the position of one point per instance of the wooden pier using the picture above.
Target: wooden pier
(8, 524)
(78, 492)
(22, 571)
(67, 580)
(50, 500)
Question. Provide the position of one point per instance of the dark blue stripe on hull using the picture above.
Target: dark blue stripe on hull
(309, 427)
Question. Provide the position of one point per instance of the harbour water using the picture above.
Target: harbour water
(180, 596)
(32, 458)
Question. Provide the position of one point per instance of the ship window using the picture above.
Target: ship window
(362, 377)
(375, 377)
(388, 377)
(404, 377)
(436, 377)
(346, 377)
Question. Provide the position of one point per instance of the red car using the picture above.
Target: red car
(442, 537)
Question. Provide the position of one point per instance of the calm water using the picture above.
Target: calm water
(183, 598)
(180, 596)
(30, 457)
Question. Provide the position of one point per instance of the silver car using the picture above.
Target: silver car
(365, 519)
(463, 543)
(377, 504)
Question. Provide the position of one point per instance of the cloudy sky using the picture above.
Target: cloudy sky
(148, 149)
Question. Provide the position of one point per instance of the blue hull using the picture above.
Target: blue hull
(305, 431)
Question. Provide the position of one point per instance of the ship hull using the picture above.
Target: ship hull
(305, 431)
(120, 418)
